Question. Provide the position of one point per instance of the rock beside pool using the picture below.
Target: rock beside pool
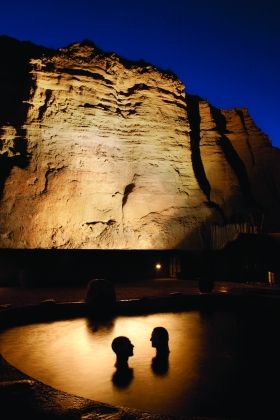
(100, 298)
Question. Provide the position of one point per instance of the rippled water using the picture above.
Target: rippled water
(203, 376)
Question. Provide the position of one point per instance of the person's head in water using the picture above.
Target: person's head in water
(123, 348)
(159, 340)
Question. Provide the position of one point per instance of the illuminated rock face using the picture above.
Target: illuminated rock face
(98, 152)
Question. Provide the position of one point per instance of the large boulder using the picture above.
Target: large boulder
(100, 298)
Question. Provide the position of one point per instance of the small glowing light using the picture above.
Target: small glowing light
(158, 266)
(223, 289)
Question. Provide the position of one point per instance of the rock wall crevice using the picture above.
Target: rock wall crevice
(197, 162)
(43, 108)
(194, 121)
(16, 83)
(242, 119)
(232, 156)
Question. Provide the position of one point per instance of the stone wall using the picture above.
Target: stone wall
(101, 153)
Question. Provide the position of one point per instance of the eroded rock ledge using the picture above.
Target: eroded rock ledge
(99, 152)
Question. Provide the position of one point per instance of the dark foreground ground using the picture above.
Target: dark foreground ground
(17, 296)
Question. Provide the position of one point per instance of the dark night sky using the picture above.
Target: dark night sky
(226, 51)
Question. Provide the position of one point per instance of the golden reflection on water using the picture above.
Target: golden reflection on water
(76, 356)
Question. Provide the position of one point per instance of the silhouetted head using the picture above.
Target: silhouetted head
(123, 348)
(159, 339)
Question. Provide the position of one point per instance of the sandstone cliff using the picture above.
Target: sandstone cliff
(98, 152)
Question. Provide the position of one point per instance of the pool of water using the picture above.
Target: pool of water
(209, 372)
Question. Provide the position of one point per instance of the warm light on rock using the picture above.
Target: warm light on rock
(112, 154)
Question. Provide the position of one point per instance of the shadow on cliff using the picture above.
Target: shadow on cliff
(230, 154)
(211, 261)
(257, 206)
(197, 164)
(15, 89)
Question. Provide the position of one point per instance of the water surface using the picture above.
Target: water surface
(204, 374)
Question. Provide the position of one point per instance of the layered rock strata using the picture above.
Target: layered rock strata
(101, 153)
